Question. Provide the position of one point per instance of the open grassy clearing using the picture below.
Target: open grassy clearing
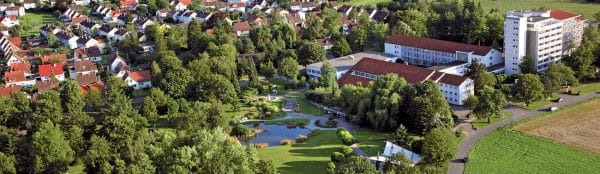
(507, 151)
(574, 6)
(483, 122)
(535, 105)
(311, 156)
(588, 87)
(305, 107)
(372, 142)
(575, 126)
(291, 121)
(32, 22)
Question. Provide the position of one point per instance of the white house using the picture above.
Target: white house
(118, 66)
(4, 6)
(46, 72)
(10, 21)
(139, 79)
(181, 5)
(86, 42)
(67, 39)
(29, 4)
(107, 31)
(162, 13)
(242, 28)
(240, 7)
(392, 149)
(82, 2)
(141, 24)
(432, 52)
(88, 26)
(92, 53)
(82, 67)
(326, 43)
(119, 35)
(19, 78)
(204, 16)
(454, 87)
(16, 10)
(103, 12)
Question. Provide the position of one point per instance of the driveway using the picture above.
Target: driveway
(457, 166)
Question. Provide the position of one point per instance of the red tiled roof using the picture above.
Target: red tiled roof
(437, 45)
(46, 85)
(6, 91)
(241, 26)
(127, 2)
(411, 74)
(86, 88)
(59, 58)
(21, 66)
(50, 69)
(84, 65)
(86, 79)
(14, 76)
(185, 2)
(581, 18)
(13, 17)
(77, 20)
(15, 41)
(560, 14)
(140, 76)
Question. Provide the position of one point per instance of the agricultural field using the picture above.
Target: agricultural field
(575, 126)
(565, 141)
(575, 6)
(32, 22)
(509, 151)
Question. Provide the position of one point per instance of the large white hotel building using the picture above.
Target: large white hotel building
(544, 36)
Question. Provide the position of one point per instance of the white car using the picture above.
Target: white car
(553, 108)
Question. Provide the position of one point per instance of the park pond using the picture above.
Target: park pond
(273, 134)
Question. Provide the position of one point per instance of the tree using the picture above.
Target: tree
(481, 77)
(7, 164)
(439, 146)
(261, 36)
(357, 164)
(341, 48)
(581, 61)
(328, 77)
(288, 68)
(332, 20)
(411, 22)
(358, 39)
(528, 65)
(52, 40)
(94, 98)
(73, 102)
(149, 109)
(52, 151)
(267, 69)
(48, 107)
(98, 155)
(556, 76)
(489, 103)
(402, 137)
(399, 163)
(528, 89)
(471, 101)
(7, 110)
(215, 87)
(314, 28)
(310, 52)
(119, 130)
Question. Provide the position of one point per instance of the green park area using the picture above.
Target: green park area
(483, 122)
(313, 155)
(586, 9)
(366, 2)
(305, 107)
(588, 87)
(32, 22)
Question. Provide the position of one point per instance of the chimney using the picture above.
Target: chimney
(352, 57)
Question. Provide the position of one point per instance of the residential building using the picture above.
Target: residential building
(19, 78)
(46, 85)
(82, 67)
(139, 79)
(344, 63)
(162, 13)
(242, 28)
(92, 53)
(48, 71)
(89, 26)
(181, 5)
(15, 10)
(87, 79)
(5, 91)
(104, 12)
(573, 28)
(455, 88)
(54, 58)
(533, 34)
(326, 43)
(4, 6)
(432, 52)
(86, 42)
(9, 21)
(118, 66)
(29, 4)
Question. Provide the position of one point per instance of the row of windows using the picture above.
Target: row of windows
(365, 75)
(313, 71)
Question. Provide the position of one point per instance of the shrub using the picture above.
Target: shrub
(287, 142)
(337, 157)
(345, 136)
(339, 129)
(261, 145)
(301, 138)
(315, 132)
(347, 151)
(241, 130)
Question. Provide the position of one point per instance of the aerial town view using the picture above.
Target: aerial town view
(300, 86)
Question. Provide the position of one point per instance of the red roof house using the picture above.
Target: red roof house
(5, 91)
(54, 58)
(49, 70)
(437, 45)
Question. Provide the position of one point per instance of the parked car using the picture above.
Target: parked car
(553, 108)
(559, 100)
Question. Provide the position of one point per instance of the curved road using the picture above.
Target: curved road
(457, 166)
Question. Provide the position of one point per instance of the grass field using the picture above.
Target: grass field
(291, 121)
(574, 6)
(311, 156)
(506, 151)
(535, 105)
(305, 107)
(372, 142)
(575, 126)
(588, 88)
(481, 123)
(32, 22)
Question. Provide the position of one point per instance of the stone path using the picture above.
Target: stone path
(358, 151)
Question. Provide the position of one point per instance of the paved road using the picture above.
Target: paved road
(358, 151)
(457, 166)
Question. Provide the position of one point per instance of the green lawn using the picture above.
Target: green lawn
(506, 151)
(291, 121)
(311, 156)
(574, 6)
(305, 107)
(372, 142)
(32, 22)
(535, 105)
(481, 123)
(366, 2)
(588, 88)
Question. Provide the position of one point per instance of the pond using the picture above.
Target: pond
(273, 134)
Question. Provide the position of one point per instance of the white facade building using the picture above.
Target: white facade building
(432, 52)
(344, 63)
(544, 36)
